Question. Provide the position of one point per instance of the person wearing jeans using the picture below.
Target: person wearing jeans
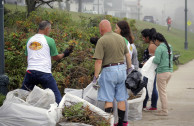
(109, 55)
(147, 36)
(40, 50)
(34, 77)
(154, 98)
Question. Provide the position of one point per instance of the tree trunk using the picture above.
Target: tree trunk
(60, 5)
(80, 6)
(67, 5)
(31, 6)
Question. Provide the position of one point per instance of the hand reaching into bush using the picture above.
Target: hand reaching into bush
(68, 51)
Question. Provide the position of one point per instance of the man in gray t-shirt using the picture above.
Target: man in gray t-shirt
(109, 54)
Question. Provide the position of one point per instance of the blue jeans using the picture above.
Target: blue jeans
(34, 77)
(154, 98)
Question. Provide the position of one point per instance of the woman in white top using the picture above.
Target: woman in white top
(122, 28)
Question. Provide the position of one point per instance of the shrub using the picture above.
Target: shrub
(15, 60)
(75, 71)
(2, 98)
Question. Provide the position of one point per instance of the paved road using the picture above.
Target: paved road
(180, 101)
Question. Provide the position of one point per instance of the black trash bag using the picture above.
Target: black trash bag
(141, 85)
(133, 79)
(134, 82)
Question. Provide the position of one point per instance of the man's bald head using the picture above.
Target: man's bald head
(104, 27)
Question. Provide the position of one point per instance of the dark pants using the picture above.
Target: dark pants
(154, 98)
(34, 77)
(169, 26)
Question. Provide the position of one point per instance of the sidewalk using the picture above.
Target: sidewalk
(180, 91)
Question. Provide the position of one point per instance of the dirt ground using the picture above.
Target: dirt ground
(180, 101)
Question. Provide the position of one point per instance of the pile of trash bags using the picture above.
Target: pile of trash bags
(38, 107)
(24, 108)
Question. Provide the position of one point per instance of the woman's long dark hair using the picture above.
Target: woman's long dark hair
(149, 33)
(125, 31)
(160, 37)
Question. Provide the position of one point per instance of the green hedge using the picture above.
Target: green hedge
(2, 98)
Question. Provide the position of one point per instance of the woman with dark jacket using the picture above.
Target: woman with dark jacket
(147, 35)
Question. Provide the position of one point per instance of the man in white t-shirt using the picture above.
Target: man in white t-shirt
(39, 50)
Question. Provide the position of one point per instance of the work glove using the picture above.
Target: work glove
(94, 83)
(68, 51)
(94, 40)
(129, 70)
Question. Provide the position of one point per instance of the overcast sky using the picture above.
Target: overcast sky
(161, 9)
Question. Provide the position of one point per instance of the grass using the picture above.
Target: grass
(75, 15)
(175, 37)
(15, 8)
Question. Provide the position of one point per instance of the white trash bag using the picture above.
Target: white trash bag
(41, 98)
(15, 111)
(148, 70)
(135, 107)
(69, 98)
(89, 94)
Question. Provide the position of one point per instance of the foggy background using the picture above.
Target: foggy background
(161, 9)
(133, 9)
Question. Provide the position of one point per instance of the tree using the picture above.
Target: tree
(67, 5)
(32, 5)
(80, 6)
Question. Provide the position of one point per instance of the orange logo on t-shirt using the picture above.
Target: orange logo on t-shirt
(35, 46)
(131, 48)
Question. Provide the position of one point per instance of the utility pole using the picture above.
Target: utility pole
(1, 38)
(80, 6)
(4, 80)
(163, 22)
(186, 43)
(138, 9)
(98, 4)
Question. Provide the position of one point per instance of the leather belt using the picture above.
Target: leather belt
(113, 64)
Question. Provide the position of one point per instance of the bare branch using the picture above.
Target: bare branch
(34, 4)
(45, 2)
(39, 5)
(49, 5)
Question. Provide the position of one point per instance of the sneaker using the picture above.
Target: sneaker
(144, 109)
(151, 109)
(125, 124)
(116, 124)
